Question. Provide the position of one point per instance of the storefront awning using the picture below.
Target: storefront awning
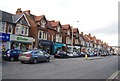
(45, 42)
(59, 45)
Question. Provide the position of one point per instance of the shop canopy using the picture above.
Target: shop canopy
(59, 45)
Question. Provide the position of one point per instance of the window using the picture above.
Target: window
(22, 30)
(43, 24)
(68, 32)
(48, 36)
(2, 27)
(58, 28)
(10, 29)
(52, 38)
(17, 29)
(26, 30)
(40, 34)
(41, 52)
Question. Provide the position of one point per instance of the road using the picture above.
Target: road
(72, 68)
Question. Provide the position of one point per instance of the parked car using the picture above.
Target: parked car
(11, 54)
(72, 54)
(104, 54)
(91, 54)
(0, 54)
(61, 54)
(79, 54)
(34, 56)
(83, 54)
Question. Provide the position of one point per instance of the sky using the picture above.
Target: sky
(98, 17)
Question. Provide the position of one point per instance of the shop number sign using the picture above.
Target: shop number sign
(21, 38)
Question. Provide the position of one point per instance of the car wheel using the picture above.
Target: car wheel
(22, 61)
(48, 60)
(35, 61)
(11, 59)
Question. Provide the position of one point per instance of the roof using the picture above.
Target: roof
(54, 24)
(92, 38)
(65, 26)
(49, 25)
(16, 17)
(98, 41)
(75, 30)
(86, 38)
(6, 17)
(38, 18)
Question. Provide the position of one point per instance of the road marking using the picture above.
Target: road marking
(113, 76)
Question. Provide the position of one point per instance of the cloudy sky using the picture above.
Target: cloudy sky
(98, 17)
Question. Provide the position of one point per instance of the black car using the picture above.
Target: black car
(34, 56)
(82, 54)
(11, 54)
(61, 54)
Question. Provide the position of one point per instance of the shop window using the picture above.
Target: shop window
(2, 27)
(10, 29)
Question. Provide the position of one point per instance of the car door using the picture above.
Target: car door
(13, 53)
(41, 55)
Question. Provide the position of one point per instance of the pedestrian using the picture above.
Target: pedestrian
(86, 56)
(3, 48)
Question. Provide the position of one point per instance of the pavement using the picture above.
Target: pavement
(71, 68)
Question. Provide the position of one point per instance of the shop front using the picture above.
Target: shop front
(21, 42)
(46, 45)
(59, 46)
(4, 41)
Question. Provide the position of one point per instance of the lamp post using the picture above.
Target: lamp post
(72, 37)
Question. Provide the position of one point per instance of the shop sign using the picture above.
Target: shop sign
(4, 37)
(21, 38)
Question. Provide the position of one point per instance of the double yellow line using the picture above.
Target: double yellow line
(113, 76)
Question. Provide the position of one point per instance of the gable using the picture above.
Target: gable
(21, 19)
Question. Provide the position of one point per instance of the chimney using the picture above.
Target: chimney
(94, 37)
(81, 33)
(19, 11)
(89, 34)
(28, 11)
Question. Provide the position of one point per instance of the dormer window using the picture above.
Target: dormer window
(43, 24)
(68, 32)
(58, 28)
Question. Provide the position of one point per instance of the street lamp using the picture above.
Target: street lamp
(72, 36)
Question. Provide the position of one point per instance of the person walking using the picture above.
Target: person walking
(86, 56)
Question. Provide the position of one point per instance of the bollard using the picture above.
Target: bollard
(86, 56)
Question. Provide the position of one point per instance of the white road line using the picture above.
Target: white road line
(113, 76)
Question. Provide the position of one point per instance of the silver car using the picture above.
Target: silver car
(34, 56)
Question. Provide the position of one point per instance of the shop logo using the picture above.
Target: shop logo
(20, 38)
